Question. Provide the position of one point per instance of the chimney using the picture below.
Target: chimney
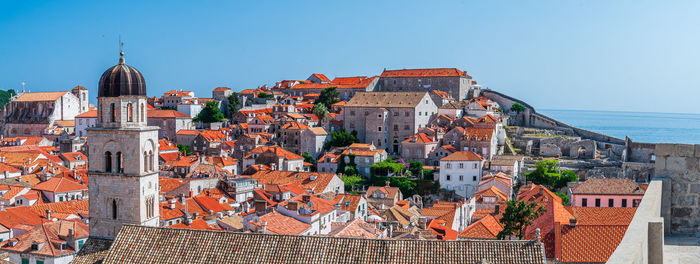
(2, 206)
(387, 184)
(48, 214)
(292, 206)
(263, 227)
(188, 219)
(171, 204)
(306, 198)
(195, 215)
(497, 210)
(572, 222)
(260, 206)
(71, 233)
(423, 222)
(416, 235)
(182, 198)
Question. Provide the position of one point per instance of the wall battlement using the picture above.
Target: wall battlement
(680, 164)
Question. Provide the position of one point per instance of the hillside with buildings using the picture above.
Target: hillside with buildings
(409, 160)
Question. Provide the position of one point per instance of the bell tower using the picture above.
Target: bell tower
(122, 168)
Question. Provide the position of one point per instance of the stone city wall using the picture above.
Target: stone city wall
(679, 163)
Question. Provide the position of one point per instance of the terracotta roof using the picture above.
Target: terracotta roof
(134, 244)
(597, 233)
(389, 191)
(188, 132)
(438, 72)
(355, 228)
(279, 151)
(169, 184)
(49, 235)
(321, 77)
(59, 185)
(74, 156)
(221, 89)
(76, 207)
(463, 156)
(158, 113)
(347, 84)
(348, 80)
(486, 228)
(39, 97)
(197, 224)
(318, 131)
(294, 125)
(213, 135)
(386, 99)
(284, 225)
(420, 138)
(608, 186)
(65, 123)
(348, 202)
(303, 179)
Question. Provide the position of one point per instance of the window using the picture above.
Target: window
(108, 161)
(129, 112)
(396, 113)
(584, 202)
(142, 111)
(120, 167)
(474, 178)
(25, 261)
(448, 177)
(366, 113)
(39, 261)
(597, 202)
(475, 165)
(461, 165)
(114, 209)
(379, 116)
(449, 166)
(352, 113)
(396, 127)
(408, 114)
(379, 129)
(113, 113)
(145, 160)
(419, 113)
(60, 198)
(461, 177)
(406, 127)
(624, 202)
(611, 202)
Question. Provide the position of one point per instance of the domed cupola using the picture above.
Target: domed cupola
(121, 79)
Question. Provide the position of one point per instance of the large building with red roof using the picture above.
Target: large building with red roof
(454, 81)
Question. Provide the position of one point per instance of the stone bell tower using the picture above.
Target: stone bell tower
(123, 169)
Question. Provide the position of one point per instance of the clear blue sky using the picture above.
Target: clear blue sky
(604, 55)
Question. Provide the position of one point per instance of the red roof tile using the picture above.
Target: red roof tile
(439, 72)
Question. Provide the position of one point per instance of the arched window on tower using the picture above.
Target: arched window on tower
(142, 112)
(108, 161)
(114, 209)
(145, 161)
(129, 112)
(113, 113)
(150, 160)
(120, 163)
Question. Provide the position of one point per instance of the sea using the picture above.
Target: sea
(639, 126)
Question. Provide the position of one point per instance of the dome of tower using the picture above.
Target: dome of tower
(121, 79)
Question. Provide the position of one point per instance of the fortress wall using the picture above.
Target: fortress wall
(679, 163)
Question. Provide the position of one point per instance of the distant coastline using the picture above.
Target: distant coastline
(639, 126)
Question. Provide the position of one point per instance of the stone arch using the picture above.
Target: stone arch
(112, 112)
(130, 112)
(108, 161)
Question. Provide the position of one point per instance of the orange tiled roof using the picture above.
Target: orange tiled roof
(158, 113)
(439, 72)
(221, 89)
(303, 179)
(59, 185)
(187, 132)
(49, 234)
(463, 156)
(608, 186)
(281, 224)
(198, 224)
(321, 77)
(348, 202)
(294, 125)
(420, 138)
(39, 97)
(279, 151)
(486, 228)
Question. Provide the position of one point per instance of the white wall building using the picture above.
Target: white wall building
(461, 171)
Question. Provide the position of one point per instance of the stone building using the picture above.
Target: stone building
(169, 122)
(387, 118)
(221, 94)
(454, 81)
(417, 147)
(29, 114)
(312, 140)
(175, 97)
(123, 170)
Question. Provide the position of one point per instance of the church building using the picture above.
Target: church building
(123, 168)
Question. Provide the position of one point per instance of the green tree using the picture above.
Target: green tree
(328, 97)
(517, 107)
(5, 96)
(547, 173)
(416, 168)
(517, 217)
(406, 185)
(233, 102)
(310, 159)
(185, 150)
(264, 95)
(341, 139)
(210, 113)
(349, 167)
(387, 167)
(352, 182)
(320, 110)
(564, 198)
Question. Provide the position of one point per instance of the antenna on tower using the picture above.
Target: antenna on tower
(121, 50)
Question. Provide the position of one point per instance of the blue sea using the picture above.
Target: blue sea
(639, 126)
